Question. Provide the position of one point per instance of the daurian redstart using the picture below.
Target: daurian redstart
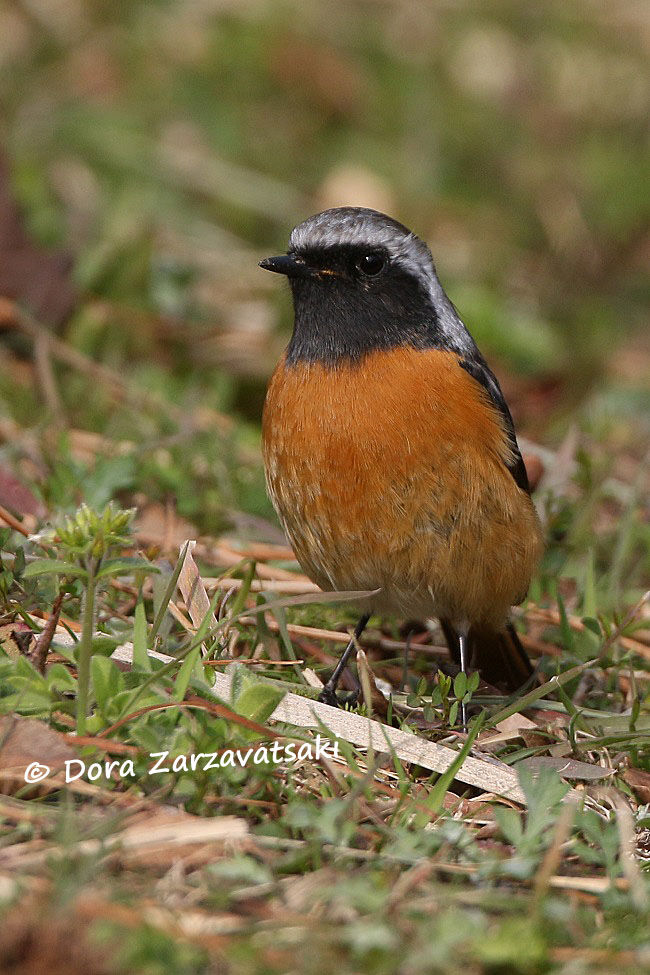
(390, 452)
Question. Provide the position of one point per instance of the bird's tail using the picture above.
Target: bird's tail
(498, 656)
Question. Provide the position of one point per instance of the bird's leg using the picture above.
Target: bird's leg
(462, 642)
(328, 694)
(405, 664)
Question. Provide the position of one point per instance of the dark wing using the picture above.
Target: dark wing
(499, 657)
(476, 366)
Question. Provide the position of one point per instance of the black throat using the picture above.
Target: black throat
(335, 323)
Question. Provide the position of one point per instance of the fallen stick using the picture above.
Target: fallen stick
(288, 586)
(486, 774)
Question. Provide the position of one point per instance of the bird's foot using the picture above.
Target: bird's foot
(329, 696)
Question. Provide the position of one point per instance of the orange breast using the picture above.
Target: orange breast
(390, 473)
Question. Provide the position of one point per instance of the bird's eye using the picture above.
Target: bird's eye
(370, 264)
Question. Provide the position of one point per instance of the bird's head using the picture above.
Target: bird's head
(362, 281)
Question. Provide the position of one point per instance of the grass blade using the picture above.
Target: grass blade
(167, 596)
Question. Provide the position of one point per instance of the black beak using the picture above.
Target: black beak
(289, 264)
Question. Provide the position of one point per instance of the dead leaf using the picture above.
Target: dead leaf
(516, 726)
(17, 497)
(193, 590)
(639, 781)
(515, 723)
(162, 526)
(25, 740)
(37, 278)
(568, 768)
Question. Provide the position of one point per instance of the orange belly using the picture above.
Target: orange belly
(391, 474)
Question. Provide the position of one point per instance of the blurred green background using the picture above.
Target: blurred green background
(167, 146)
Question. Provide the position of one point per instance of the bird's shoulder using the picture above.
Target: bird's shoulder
(476, 366)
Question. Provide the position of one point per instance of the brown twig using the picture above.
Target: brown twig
(38, 655)
(9, 519)
(260, 551)
(47, 380)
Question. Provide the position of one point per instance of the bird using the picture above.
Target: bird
(390, 453)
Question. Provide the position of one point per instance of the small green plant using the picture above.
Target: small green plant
(85, 547)
(531, 835)
(446, 696)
